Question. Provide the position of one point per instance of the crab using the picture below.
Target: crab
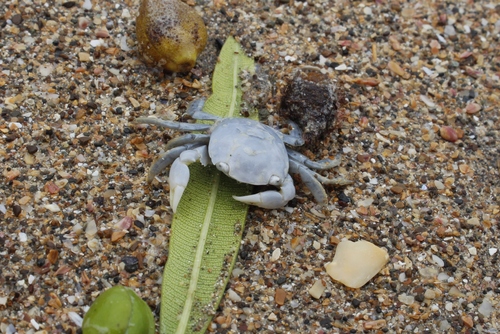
(244, 150)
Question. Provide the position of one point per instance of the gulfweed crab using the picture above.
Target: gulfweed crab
(245, 150)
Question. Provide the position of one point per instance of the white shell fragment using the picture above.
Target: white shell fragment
(317, 289)
(355, 263)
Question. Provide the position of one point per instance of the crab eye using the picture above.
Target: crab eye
(275, 180)
(223, 167)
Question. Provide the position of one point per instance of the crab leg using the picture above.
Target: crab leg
(314, 181)
(188, 139)
(195, 110)
(294, 138)
(337, 181)
(173, 125)
(310, 181)
(166, 158)
(179, 172)
(271, 199)
(322, 164)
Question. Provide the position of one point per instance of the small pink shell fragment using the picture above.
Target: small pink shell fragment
(51, 187)
(465, 54)
(83, 23)
(12, 174)
(125, 223)
(102, 33)
(448, 133)
(472, 108)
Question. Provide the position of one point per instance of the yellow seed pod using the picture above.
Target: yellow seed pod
(170, 33)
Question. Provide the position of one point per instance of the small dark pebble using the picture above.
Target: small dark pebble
(243, 255)
(153, 204)
(343, 197)
(281, 280)
(99, 200)
(84, 140)
(5, 115)
(15, 258)
(17, 210)
(326, 323)
(356, 303)
(131, 263)
(92, 105)
(69, 4)
(11, 137)
(420, 297)
(17, 19)
(32, 149)
(138, 224)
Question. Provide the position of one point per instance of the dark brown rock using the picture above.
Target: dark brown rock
(32, 149)
(17, 19)
(84, 140)
(310, 101)
(17, 210)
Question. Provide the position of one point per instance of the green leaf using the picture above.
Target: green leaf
(208, 224)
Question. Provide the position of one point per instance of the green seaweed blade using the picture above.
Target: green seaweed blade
(208, 225)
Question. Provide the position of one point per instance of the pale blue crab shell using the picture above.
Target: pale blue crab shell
(253, 151)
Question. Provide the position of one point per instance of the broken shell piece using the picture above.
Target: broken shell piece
(317, 289)
(355, 263)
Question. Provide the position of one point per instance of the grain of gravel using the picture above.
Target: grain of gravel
(418, 127)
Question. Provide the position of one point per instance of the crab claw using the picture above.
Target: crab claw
(178, 179)
(179, 172)
(271, 199)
